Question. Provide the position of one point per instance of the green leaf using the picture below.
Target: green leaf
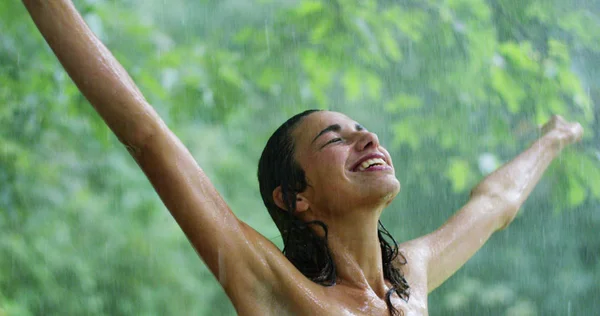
(511, 92)
(373, 83)
(405, 134)
(352, 82)
(586, 169)
(390, 45)
(459, 173)
(522, 56)
(403, 101)
(576, 194)
(321, 30)
(559, 51)
(309, 8)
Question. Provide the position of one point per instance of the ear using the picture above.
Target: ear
(301, 202)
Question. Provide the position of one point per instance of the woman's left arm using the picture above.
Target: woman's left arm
(493, 204)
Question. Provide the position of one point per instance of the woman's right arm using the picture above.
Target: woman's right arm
(97, 74)
(228, 246)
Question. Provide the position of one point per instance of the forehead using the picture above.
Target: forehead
(314, 123)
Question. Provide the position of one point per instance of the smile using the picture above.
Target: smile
(372, 164)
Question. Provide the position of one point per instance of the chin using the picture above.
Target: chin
(392, 192)
(383, 192)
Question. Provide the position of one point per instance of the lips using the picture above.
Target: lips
(373, 156)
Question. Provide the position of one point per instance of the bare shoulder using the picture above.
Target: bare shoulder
(284, 290)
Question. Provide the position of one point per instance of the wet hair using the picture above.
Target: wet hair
(305, 249)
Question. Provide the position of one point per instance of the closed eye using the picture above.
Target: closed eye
(334, 140)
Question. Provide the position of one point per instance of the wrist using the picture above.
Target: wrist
(553, 140)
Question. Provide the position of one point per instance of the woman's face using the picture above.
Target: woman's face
(345, 166)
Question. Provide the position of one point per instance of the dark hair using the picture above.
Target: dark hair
(305, 249)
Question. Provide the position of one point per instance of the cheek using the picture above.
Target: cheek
(332, 161)
(326, 168)
(331, 170)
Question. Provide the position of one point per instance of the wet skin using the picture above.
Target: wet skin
(328, 147)
(258, 279)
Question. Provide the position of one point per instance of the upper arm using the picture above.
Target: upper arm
(227, 245)
(445, 250)
(95, 71)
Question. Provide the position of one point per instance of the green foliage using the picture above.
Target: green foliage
(451, 87)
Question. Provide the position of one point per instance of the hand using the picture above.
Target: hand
(562, 132)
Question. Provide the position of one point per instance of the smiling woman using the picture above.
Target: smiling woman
(325, 180)
(281, 178)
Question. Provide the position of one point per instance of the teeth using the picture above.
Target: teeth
(376, 161)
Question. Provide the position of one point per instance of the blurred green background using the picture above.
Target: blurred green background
(454, 88)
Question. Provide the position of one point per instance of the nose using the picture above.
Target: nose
(366, 141)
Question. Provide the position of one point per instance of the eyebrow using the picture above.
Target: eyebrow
(335, 128)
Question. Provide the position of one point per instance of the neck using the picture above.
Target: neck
(354, 244)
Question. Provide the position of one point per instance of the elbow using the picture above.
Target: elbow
(136, 143)
(500, 197)
(503, 204)
(507, 218)
(487, 188)
(138, 135)
(139, 138)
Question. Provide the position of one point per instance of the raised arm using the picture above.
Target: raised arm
(227, 245)
(97, 74)
(493, 204)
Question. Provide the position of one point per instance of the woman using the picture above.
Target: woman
(325, 180)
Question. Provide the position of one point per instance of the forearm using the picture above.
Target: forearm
(509, 186)
(97, 74)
